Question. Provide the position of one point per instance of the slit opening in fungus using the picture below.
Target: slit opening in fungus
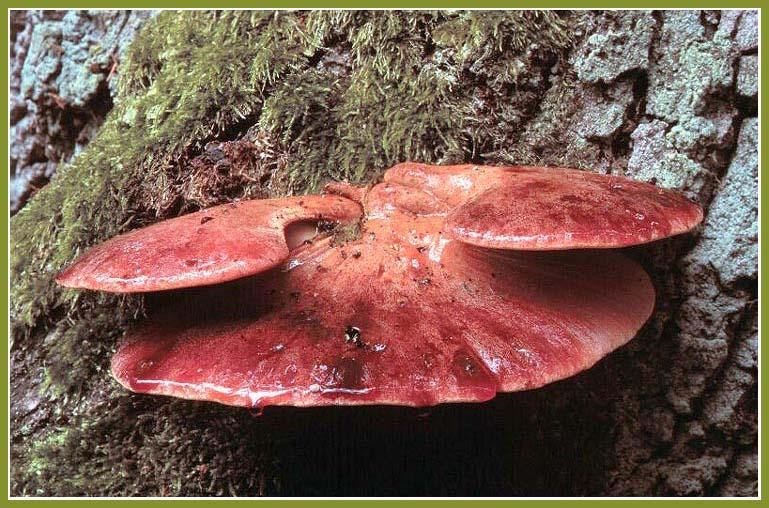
(300, 233)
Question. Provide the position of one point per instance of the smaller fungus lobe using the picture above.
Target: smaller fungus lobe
(227, 246)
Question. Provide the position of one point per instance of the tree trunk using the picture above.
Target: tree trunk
(213, 107)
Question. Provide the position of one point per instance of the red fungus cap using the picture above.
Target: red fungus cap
(537, 208)
(218, 244)
(409, 312)
(403, 315)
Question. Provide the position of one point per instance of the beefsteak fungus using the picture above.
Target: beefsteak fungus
(441, 284)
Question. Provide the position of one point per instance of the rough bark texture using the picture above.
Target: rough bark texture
(270, 104)
(63, 75)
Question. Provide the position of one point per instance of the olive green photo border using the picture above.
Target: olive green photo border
(374, 4)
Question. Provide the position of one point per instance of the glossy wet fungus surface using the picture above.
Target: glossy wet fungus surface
(440, 284)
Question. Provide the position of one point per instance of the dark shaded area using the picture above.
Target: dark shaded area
(540, 443)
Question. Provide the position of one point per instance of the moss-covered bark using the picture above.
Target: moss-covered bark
(306, 97)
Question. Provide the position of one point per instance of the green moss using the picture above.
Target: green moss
(432, 87)
(346, 233)
(339, 95)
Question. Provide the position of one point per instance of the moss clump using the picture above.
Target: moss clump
(112, 444)
(318, 95)
(346, 233)
(433, 87)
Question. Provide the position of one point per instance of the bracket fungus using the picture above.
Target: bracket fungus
(440, 284)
